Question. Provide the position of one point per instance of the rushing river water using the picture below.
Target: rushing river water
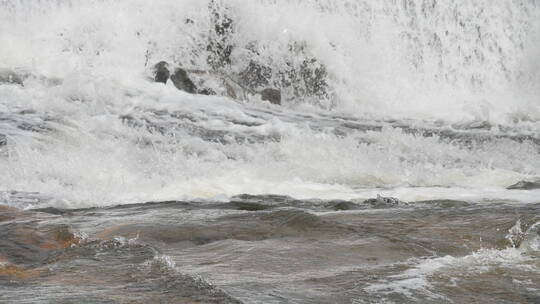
(402, 166)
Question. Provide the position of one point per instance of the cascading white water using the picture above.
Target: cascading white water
(477, 60)
(430, 62)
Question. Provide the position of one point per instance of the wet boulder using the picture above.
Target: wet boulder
(179, 78)
(255, 75)
(161, 72)
(182, 81)
(308, 79)
(299, 74)
(206, 91)
(314, 76)
(271, 95)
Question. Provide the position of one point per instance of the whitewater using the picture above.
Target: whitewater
(401, 165)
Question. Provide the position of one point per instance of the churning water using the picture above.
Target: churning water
(403, 164)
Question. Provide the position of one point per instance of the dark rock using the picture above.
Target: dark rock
(342, 205)
(271, 95)
(383, 202)
(303, 75)
(255, 75)
(525, 185)
(300, 74)
(3, 140)
(445, 203)
(161, 72)
(182, 82)
(308, 79)
(249, 206)
(314, 75)
(220, 44)
(207, 91)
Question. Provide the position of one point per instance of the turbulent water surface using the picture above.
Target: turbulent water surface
(403, 164)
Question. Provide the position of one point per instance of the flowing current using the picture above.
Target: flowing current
(402, 165)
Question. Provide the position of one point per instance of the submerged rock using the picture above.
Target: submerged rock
(249, 206)
(11, 77)
(382, 201)
(25, 241)
(10, 213)
(525, 185)
(257, 225)
(182, 81)
(271, 95)
(474, 125)
(342, 205)
(207, 91)
(161, 72)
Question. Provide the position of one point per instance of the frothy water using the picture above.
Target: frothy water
(428, 59)
(403, 163)
(447, 66)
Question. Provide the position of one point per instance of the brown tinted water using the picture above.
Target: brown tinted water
(272, 249)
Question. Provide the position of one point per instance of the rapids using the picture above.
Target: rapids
(403, 163)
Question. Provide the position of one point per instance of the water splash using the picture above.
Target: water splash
(473, 61)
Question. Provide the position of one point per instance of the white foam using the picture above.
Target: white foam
(419, 278)
(99, 50)
(379, 53)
